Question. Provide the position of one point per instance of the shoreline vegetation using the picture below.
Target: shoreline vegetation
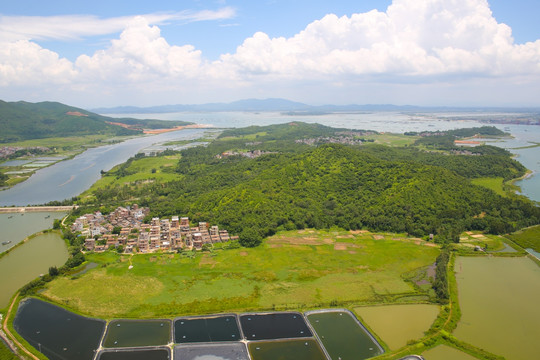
(303, 262)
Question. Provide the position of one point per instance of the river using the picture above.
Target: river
(69, 178)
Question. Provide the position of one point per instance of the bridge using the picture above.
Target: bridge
(23, 209)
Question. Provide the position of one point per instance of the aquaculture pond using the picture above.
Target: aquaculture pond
(132, 333)
(17, 226)
(397, 324)
(224, 351)
(28, 261)
(274, 326)
(58, 333)
(135, 354)
(498, 297)
(206, 329)
(343, 336)
(443, 352)
(298, 349)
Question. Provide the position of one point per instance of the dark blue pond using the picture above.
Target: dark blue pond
(58, 333)
(274, 326)
(136, 354)
(206, 329)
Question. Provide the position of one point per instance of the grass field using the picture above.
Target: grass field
(392, 139)
(292, 270)
(495, 184)
(528, 238)
(144, 170)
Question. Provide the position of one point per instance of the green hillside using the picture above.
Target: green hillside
(23, 121)
(294, 185)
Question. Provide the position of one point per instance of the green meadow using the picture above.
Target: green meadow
(496, 184)
(291, 270)
(527, 238)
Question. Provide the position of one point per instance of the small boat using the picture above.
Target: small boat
(48, 216)
(10, 216)
(6, 242)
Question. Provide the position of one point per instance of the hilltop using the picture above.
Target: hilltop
(23, 121)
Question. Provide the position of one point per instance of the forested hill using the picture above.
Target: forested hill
(296, 185)
(22, 120)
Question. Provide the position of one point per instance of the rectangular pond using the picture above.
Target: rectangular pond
(342, 335)
(136, 354)
(57, 333)
(206, 329)
(223, 351)
(298, 349)
(274, 326)
(133, 333)
(498, 297)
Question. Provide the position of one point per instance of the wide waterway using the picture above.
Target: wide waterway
(69, 178)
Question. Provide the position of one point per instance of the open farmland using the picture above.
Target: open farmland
(291, 270)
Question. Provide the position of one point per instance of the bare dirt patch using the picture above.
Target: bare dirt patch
(352, 252)
(356, 232)
(345, 237)
(340, 246)
(243, 253)
(378, 237)
(308, 240)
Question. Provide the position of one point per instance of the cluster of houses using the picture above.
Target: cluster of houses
(124, 229)
(9, 151)
(347, 140)
(249, 154)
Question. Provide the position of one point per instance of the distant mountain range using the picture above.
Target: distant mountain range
(285, 105)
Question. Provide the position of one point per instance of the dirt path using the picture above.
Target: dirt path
(13, 338)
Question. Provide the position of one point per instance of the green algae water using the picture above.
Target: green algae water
(17, 226)
(499, 304)
(28, 261)
(342, 335)
(443, 352)
(397, 324)
(131, 333)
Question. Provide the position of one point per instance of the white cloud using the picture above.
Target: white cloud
(412, 38)
(444, 42)
(24, 62)
(140, 54)
(73, 27)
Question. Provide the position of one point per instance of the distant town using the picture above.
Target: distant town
(124, 230)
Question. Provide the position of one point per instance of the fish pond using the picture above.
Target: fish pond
(274, 326)
(397, 324)
(17, 226)
(443, 352)
(498, 297)
(57, 333)
(136, 354)
(224, 351)
(298, 349)
(343, 336)
(133, 333)
(28, 261)
(206, 329)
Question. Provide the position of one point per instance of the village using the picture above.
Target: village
(124, 230)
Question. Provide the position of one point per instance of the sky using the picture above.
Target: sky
(146, 53)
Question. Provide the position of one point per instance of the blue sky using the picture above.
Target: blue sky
(106, 53)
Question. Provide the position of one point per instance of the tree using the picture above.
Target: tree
(53, 271)
(249, 237)
(116, 230)
(57, 224)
